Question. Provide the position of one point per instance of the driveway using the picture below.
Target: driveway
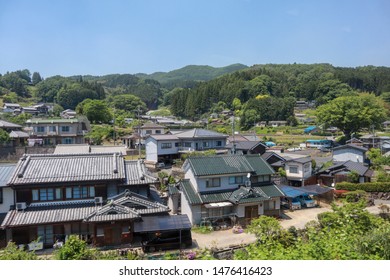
(226, 238)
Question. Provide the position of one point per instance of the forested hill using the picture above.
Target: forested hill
(192, 73)
(261, 92)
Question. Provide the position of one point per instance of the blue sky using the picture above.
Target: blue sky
(71, 37)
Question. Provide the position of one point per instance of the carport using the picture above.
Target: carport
(321, 193)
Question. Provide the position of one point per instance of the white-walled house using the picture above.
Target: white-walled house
(6, 196)
(349, 152)
(298, 170)
(227, 189)
(167, 147)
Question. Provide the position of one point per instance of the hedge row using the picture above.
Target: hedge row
(368, 187)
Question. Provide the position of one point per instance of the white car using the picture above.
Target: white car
(294, 149)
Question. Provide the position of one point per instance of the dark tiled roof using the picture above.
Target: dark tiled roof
(229, 164)
(188, 190)
(6, 171)
(300, 160)
(37, 214)
(124, 206)
(136, 173)
(68, 168)
(162, 137)
(349, 146)
(268, 155)
(245, 145)
(361, 169)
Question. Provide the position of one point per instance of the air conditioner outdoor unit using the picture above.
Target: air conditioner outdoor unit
(21, 205)
(99, 199)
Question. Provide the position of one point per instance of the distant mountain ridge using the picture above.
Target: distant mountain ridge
(192, 73)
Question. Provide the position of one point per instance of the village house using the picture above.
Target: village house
(298, 170)
(247, 147)
(58, 131)
(341, 171)
(226, 190)
(349, 152)
(6, 196)
(10, 107)
(100, 197)
(169, 146)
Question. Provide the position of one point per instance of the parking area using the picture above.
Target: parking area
(226, 238)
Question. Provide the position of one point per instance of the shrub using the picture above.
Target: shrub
(368, 187)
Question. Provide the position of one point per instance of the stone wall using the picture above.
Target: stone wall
(15, 153)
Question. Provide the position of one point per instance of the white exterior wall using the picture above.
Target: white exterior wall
(8, 200)
(348, 154)
(301, 174)
(169, 151)
(190, 175)
(151, 149)
(192, 211)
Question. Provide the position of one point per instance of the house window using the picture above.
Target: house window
(45, 234)
(187, 144)
(149, 131)
(177, 144)
(40, 129)
(46, 194)
(158, 131)
(52, 128)
(80, 192)
(65, 129)
(1, 195)
(235, 180)
(219, 143)
(166, 145)
(99, 231)
(293, 169)
(213, 183)
(67, 141)
(206, 144)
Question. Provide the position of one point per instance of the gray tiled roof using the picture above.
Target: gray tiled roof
(124, 206)
(350, 146)
(136, 174)
(68, 168)
(301, 160)
(200, 133)
(245, 145)
(360, 168)
(5, 124)
(39, 214)
(229, 164)
(6, 171)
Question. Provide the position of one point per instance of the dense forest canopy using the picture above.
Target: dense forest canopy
(257, 93)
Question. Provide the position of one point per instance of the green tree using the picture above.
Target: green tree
(4, 136)
(13, 252)
(352, 113)
(36, 78)
(75, 249)
(96, 111)
(128, 102)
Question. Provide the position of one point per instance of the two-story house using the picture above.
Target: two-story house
(6, 196)
(59, 131)
(227, 189)
(100, 197)
(298, 170)
(167, 147)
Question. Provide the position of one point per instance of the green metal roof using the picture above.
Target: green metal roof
(230, 164)
(172, 189)
(238, 196)
(271, 190)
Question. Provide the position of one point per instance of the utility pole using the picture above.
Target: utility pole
(234, 142)
(139, 132)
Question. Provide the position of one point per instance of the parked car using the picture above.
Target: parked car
(294, 149)
(306, 201)
(160, 164)
(292, 203)
(168, 240)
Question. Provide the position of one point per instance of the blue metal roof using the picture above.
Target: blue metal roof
(292, 192)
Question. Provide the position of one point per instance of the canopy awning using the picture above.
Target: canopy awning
(162, 223)
(218, 204)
